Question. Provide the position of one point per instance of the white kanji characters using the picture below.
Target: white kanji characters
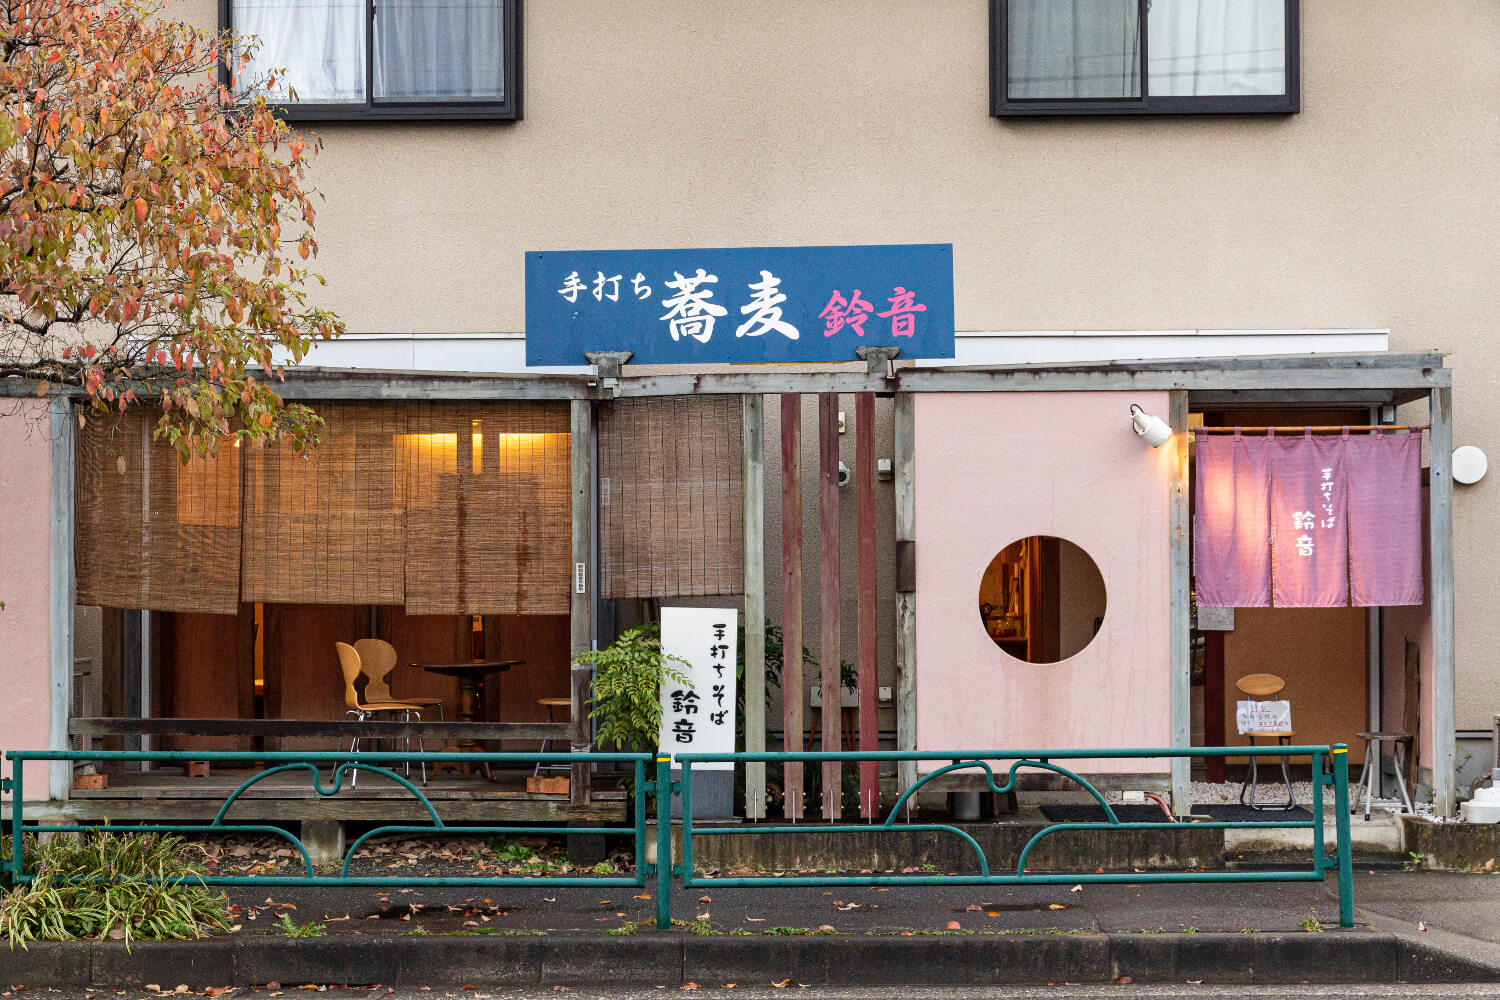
(764, 309)
(571, 287)
(600, 294)
(1304, 545)
(1302, 520)
(639, 288)
(689, 312)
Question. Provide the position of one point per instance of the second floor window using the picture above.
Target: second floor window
(1144, 56)
(383, 59)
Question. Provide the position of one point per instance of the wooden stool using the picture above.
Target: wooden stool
(1265, 686)
(549, 704)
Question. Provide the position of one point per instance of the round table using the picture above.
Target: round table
(469, 673)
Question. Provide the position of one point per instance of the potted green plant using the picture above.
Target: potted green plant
(628, 674)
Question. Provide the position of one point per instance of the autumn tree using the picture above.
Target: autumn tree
(154, 228)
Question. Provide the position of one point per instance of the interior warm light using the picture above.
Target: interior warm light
(1151, 429)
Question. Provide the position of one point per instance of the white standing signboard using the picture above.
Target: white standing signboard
(698, 717)
(1263, 716)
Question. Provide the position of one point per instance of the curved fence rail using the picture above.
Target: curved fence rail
(342, 765)
(1335, 775)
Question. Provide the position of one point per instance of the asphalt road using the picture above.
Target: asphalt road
(746, 992)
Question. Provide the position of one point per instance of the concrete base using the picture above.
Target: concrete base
(1452, 846)
(324, 840)
(1381, 835)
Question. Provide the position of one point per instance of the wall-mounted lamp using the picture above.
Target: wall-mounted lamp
(1153, 430)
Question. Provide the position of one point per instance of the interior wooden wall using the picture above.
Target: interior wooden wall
(303, 678)
(424, 639)
(544, 642)
(200, 676)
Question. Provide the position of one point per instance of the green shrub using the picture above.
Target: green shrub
(112, 885)
(627, 676)
(292, 929)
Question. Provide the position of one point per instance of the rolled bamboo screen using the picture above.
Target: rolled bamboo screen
(327, 528)
(671, 497)
(151, 532)
(488, 508)
(382, 511)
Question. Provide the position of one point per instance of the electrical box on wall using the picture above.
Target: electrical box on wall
(883, 470)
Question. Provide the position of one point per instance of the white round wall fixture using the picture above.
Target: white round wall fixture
(1469, 464)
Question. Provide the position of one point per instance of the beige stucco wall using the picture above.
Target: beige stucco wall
(742, 122)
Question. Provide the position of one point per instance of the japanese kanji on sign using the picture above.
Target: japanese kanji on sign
(698, 717)
(750, 305)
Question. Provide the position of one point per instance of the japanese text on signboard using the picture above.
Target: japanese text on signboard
(698, 716)
(747, 305)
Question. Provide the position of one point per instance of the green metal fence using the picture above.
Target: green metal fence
(338, 766)
(1042, 760)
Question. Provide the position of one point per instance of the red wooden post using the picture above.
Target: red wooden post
(864, 484)
(828, 523)
(791, 600)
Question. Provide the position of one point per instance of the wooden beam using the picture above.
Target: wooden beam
(828, 580)
(581, 583)
(320, 729)
(1440, 547)
(754, 475)
(904, 468)
(864, 486)
(791, 600)
(1180, 618)
(60, 540)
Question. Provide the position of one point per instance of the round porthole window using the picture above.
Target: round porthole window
(1041, 599)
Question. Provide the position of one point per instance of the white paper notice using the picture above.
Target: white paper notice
(698, 717)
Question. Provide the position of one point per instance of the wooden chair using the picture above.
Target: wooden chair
(361, 709)
(1260, 687)
(377, 659)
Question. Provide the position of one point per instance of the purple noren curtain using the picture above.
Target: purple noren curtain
(1309, 534)
(1385, 518)
(1231, 539)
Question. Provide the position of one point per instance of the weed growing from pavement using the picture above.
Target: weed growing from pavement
(292, 929)
(1311, 925)
(627, 929)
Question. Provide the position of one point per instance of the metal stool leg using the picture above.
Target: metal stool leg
(546, 745)
(1372, 750)
(1400, 757)
(1250, 781)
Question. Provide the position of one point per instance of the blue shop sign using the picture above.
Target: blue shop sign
(740, 305)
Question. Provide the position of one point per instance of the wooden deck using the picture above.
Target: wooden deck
(168, 794)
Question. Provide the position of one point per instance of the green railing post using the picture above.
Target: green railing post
(663, 841)
(17, 838)
(1341, 818)
(1320, 781)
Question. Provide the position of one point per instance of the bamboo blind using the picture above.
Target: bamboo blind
(152, 532)
(671, 497)
(488, 508)
(327, 527)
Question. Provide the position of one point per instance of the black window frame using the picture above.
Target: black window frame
(1003, 106)
(372, 110)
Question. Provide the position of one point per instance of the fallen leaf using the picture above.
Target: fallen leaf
(703, 915)
(954, 925)
(973, 908)
(690, 986)
(217, 991)
(606, 902)
(1098, 871)
(1056, 906)
(1123, 980)
(235, 927)
(993, 913)
(826, 928)
(1421, 925)
(1076, 888)
(181, 988)
(756, 920)
(705, 899)
(644, 895)
(269, 986)
(550, 899)
(1195, 982)
(156, 987)
(849, 906)
(731, 986)
(116, 933)
(780, 985)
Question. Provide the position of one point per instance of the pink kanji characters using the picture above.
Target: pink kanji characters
(841, 312)
(902, 312)
(853, 311)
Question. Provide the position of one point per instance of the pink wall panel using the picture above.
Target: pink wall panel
(25, 515)
(995, 467)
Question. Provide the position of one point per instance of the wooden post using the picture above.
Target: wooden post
(791, 600)
(1180, 645)
(1440, 545)
(754, 466)
(828, 579)
(904, 468)
(60, 590)
(582, 459)
(864, 484)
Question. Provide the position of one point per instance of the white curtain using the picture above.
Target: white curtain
(315, 47)
(1073, 49)
(1202, 48)
(439, 50)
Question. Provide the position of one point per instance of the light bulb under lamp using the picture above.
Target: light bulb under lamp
(1152, 429)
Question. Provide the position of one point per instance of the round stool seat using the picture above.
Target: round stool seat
(555, 702)
(1273, 736)
(1385, 736)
